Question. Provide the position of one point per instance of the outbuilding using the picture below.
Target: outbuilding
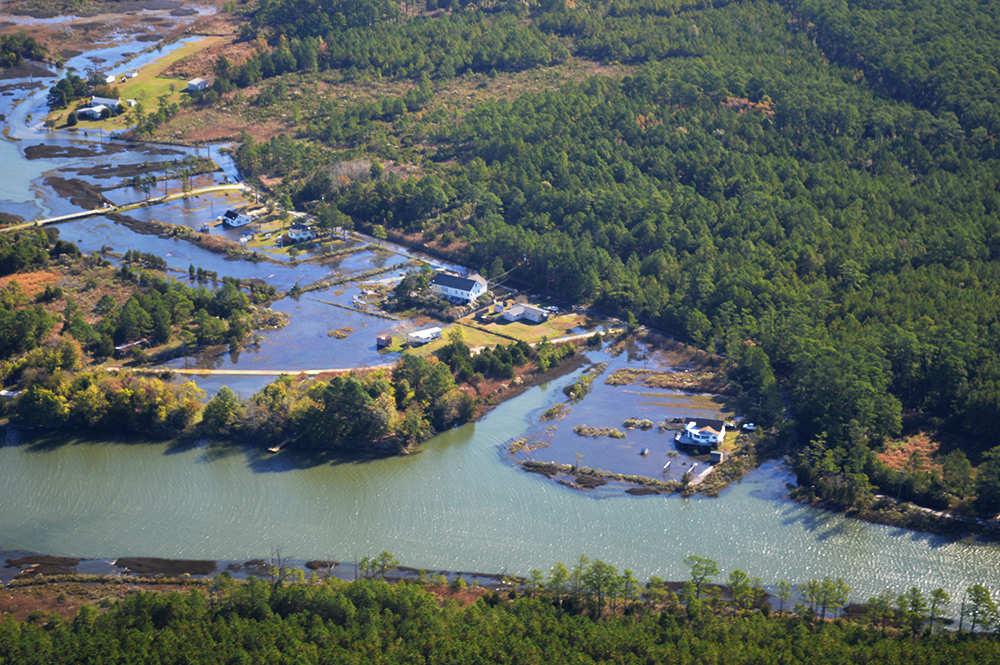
(424, 336)
(529, 312)
(195, 85)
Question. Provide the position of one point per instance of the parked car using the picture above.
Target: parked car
(749, 427)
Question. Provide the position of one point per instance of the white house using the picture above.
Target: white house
(424, 336)
(705, 432)
(105, 101)
(132, 74)
(110, 78)
(91, 113)
(234, 219)
(197, 84)
(299, 231)
(458, 288)
(530, 312)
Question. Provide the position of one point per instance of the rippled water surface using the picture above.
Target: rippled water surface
(457, 504)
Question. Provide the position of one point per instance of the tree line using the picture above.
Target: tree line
(328, 620)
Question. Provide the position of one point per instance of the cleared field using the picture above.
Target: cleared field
(147, 88)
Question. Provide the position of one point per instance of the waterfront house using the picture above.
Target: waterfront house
(299, 231)
(529, 312)
(194, 85)
(234, 219)
(456, 288)
(705, 431)
(109, 79)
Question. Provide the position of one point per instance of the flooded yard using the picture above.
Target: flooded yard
(609, 407)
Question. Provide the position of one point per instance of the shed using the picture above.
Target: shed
(383, 341)
(197, 84)
(110, 78)
(716, 457)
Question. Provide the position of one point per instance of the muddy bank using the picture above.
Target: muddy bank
(79, 193)
(8, 219)
(107, 171)
(173, 567)
(26, 70)
(583, 478)
(39, 564)
(45, 10)
(46, 151)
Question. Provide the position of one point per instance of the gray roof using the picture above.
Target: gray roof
(453, 281)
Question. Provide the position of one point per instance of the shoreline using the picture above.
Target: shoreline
(22, 568)
(905, 515)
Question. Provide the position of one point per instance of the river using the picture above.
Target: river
(458, 504)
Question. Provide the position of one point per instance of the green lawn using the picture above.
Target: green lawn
(147, 88)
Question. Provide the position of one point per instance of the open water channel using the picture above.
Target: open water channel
(458, 504)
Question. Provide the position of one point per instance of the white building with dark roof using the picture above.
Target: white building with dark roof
(299, 231)
(456, 288)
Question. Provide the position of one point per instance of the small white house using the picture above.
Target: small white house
(424, 336)
(299, 231)
(110, 78)
(234, 219)
(529, 312)
(130, 102)
(91, 113)
(197, 84)
(132, 74)
(705, 432)
(457, 288)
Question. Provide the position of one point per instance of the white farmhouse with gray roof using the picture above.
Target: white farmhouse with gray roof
(456, 288)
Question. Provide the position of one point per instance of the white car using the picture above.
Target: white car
(749, 427)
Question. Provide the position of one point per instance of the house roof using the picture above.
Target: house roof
(456, 282)
(92, 110)
(231, 214)
(519, 309)
(105, 101)
(299, 226)
(705, 424)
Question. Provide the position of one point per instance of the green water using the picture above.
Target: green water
(456, 505)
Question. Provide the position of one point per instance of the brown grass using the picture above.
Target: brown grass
(31, 283)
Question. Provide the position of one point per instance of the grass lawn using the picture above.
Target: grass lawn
(146, 88)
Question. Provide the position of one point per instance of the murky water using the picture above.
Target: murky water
(454, 505)
(457, 504)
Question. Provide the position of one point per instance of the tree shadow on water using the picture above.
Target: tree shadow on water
(289, 459)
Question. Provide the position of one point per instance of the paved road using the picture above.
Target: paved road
(110, 209)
